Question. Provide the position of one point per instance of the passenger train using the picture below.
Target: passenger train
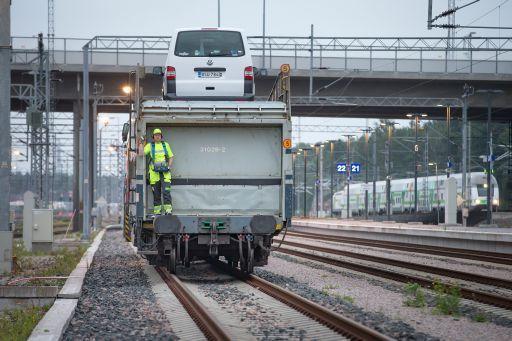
(429, 193)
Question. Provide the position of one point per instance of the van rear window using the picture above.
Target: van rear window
(209, 44)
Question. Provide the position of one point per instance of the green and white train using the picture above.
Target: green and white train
(429, 193)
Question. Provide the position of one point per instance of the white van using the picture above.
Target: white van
(208, 64)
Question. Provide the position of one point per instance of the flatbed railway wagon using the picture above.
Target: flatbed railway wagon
(231, 182)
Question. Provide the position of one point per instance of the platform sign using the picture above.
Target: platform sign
(341, 167)
(355, 168)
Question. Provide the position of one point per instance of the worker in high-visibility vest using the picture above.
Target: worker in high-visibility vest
(160, 157)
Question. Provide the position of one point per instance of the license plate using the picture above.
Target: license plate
(209, 74)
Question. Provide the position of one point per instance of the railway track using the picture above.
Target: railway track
(466, 276)
(491, 257)
(207, 323)
(214, 330)
(471, 294)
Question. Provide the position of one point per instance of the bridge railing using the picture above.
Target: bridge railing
(403, 54)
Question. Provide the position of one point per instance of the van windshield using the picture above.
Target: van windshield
(209, 44)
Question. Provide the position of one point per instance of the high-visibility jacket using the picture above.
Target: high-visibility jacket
(154, 177)
(159, 152)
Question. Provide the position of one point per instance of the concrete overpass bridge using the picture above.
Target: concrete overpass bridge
(331, 76)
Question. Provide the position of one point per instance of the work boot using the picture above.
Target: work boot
(168, 209)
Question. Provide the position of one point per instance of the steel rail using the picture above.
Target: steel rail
(491, 257)
(479, 296)
(345, 326)
(339, 323)
(207, 323)
(497, 282)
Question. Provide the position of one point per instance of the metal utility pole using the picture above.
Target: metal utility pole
(100, 185)
(317, 179)
(218, 13)
(468, 91)
(311, 65)
(490, 156)
(451, 28)
(366, 166)
(305, 177)
(264, 33)
(295, 153)
(38, 122)
(5, 135)
(416, 150)
(51, 30)
(389, 126)
(348, 174)
(426, 201)
(321, 180)
(437, 188)
(448, 128)
(388, 175)
(76, 159)
(332, 172)
(374, 175)
(469, 156)
(87, 138)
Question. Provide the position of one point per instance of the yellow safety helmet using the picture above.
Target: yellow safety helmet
(157, 131)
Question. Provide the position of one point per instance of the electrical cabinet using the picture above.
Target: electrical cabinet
(42, 226)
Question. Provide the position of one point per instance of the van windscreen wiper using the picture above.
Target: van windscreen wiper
(213, 54)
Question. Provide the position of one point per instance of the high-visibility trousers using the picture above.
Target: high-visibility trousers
(161, 186)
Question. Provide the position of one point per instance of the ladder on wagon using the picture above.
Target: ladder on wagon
(281, 88)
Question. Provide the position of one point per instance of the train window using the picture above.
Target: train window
(482, 191)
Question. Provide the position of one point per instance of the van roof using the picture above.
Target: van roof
(210, 28)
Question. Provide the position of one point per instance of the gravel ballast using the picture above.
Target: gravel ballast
(117, 301)
(377, 303)
(459, 264)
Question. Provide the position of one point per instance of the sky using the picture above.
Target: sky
(392, 18)
(84, 19)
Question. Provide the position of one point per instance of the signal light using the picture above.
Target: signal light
(249, 73)
(170, 73)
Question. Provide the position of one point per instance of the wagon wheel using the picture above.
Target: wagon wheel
(247, 263)
(171, 265)
(186, 258)
(250, 259)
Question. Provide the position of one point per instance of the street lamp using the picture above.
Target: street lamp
(389, 125)
(319, 176)
(331, 156)
(366, 139)
(127, 89)
(437, 188)
(416, 150)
